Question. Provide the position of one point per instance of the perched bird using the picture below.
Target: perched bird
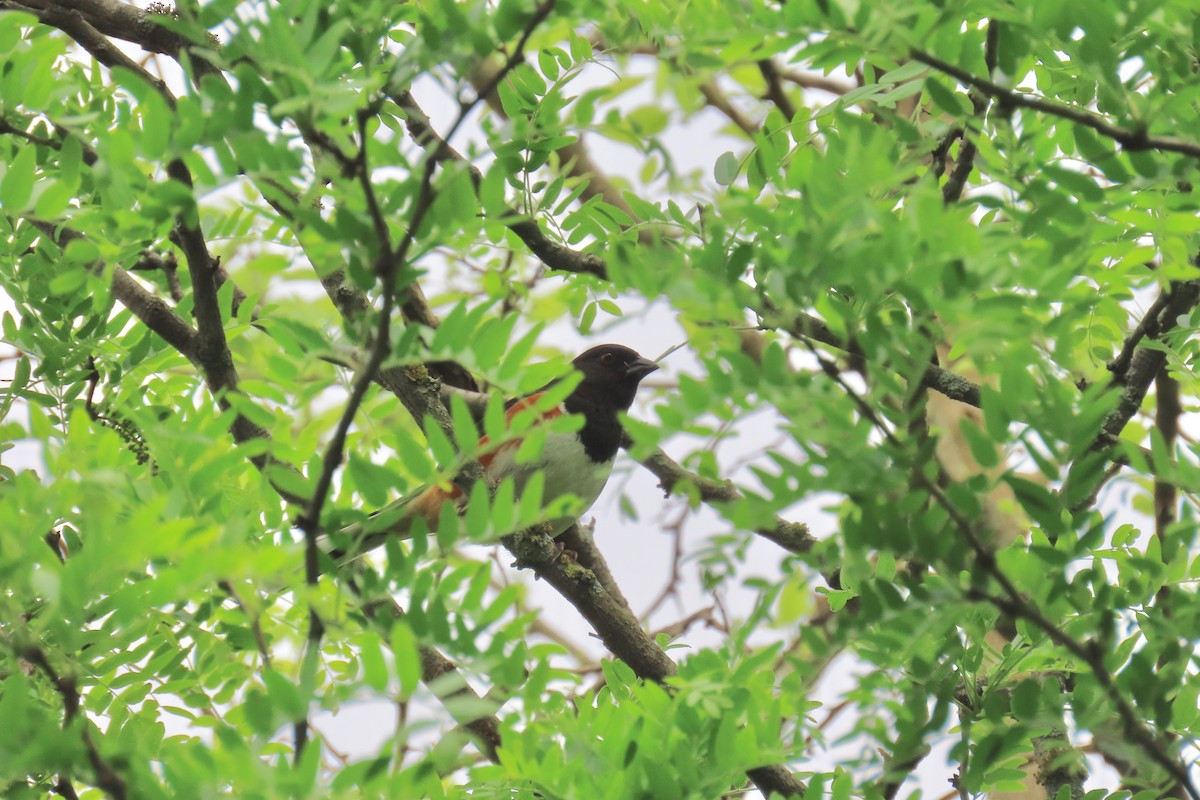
(577, 463)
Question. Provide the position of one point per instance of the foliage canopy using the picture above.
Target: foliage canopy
(942, 256)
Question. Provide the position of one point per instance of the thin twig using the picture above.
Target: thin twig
(1129, 139)
(551, 253)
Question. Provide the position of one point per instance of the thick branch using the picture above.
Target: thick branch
(212, 349)
(579, 540)
(957, 183)
(123, 21)
(78, 26)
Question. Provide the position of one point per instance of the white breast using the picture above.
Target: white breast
(568, 469)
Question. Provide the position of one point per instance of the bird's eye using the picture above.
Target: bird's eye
(607, 359)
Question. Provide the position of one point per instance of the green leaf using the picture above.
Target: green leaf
(290, 481)
(983, 449)
(1038, 502)
(53, 199)
(951, 102)
(725, 171)
(465, 429)
(406, 657)
(478, 512)
(375, 481)
(908, 71)
(589, 317)
(548, 64)
(283, 694)
(443, 449)
(370, 654)
(16, 187)
(581, 47)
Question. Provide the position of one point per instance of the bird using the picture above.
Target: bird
(576, 462)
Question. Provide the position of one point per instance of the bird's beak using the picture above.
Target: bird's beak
(640, 368)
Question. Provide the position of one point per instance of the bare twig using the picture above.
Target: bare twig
(1148, 326)
(952, 385)
(253, 616)
(88, 152)
(671, 585)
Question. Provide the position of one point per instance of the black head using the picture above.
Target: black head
(611, 374)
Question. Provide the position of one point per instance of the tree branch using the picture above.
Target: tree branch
(810, 80)
(952, 385)
(714, 97)
(775, 89)
(791, 536)
(151, 310)
(107, 777)
(957, 182)
(551, 253)
(89, 153)
(1130, 140)
(122, 21)
(1182, 298)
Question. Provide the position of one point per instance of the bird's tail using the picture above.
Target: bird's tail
(360, 538)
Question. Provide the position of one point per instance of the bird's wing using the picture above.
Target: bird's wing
(399, 517)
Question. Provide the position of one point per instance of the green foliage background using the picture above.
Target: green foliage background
(987, 201)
